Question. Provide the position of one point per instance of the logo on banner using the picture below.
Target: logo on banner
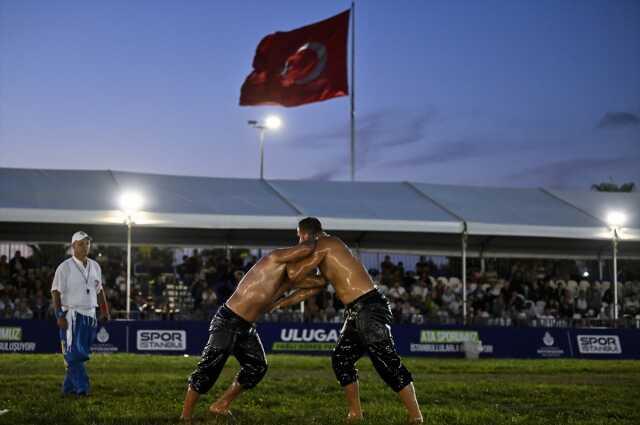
(161, 340)
(293, 339)
(102, 336)
(599, 344)
(549, 349)
(103, 346)
(10, 334)
(11, 340)
(446, 342)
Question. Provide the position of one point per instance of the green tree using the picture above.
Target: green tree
(612, 187)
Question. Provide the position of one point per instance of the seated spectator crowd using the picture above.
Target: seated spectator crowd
(525, 297)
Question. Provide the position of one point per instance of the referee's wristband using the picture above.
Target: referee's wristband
(60, 313)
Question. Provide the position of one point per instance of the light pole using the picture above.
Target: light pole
(464, 276)
(130, 204)
(615, 219)
(272, 122)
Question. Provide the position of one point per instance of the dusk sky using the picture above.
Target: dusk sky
(502, 93)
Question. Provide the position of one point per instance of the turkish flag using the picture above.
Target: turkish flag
(308, 64)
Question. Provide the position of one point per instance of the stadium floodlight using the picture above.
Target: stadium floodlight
(616, 220)
(272, 122)
(130, 204)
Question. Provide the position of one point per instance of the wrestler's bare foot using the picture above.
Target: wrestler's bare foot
(408, 397)
(352, 394)
(353, 418)
(220, 408)
(190, 400)
(222, 414)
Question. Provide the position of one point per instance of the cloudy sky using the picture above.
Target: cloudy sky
(503, 93)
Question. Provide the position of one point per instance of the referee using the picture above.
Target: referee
(76, 289)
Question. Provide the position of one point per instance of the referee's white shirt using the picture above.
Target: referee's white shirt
(72, 279)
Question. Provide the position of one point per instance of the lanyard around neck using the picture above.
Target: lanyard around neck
(85, 278)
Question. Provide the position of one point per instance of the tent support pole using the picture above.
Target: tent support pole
(600, 266)
(464, 276)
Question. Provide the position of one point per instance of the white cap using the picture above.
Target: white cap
(78, 236)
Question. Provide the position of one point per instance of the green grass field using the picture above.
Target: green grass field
(135, 389)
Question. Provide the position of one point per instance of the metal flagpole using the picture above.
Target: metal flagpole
(353, 91)
(262, 153)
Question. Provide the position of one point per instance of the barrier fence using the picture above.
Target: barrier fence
(189, 337)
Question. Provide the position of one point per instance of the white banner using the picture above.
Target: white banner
(161, 340)
(599, 344)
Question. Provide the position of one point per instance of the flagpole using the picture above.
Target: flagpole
(353, 90)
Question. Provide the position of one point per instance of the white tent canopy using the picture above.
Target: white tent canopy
(367, 206)
(49, 205)
(514, 212)
(600, 205)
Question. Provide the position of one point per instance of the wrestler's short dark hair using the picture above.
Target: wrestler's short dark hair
(310, 225)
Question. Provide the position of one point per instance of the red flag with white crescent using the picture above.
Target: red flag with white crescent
(305, 65)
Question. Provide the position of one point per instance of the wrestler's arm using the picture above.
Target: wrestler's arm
(297, 271)
(309, 282)
(306, 283)
(296, 297)
(294, 253)
(286, 285)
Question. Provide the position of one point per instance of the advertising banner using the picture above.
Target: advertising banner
(110, 338)
(28, 336)
(190, 337)
(167, 337)
(606, 343)
(426, 341)
(161, 340)
(423, 341)
(308, 338)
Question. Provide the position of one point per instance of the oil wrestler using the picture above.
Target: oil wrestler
(367, 319)
(232, 330)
